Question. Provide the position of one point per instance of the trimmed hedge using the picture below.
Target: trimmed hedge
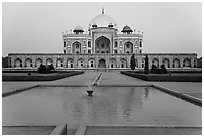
(165, 77)
(20, 71)
(41, 77)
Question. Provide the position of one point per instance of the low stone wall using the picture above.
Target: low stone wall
(45, 77)
(166, 77)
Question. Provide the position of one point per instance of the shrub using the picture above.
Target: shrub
(50, 68)
(45, 69)
(40, 77)
(163, 69)
(42, 69)
(153, 69)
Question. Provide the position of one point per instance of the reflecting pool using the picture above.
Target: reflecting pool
(108, 105)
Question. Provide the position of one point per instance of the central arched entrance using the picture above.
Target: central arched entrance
(128, 47)
(102, 45)
(102, 63)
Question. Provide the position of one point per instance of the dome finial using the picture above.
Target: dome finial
(103, 10)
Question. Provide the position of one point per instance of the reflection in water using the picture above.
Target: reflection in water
(146, 92)
(127, 101)
(109, 105)
(131, 101)
(102, 107)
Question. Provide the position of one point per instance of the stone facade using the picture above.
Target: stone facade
(102, 46)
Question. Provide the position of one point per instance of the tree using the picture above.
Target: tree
(42, 69)
(132, 62)
(153, 69)
(163, 69)
(146, 68)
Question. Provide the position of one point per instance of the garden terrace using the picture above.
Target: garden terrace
(38, 77)
(171, 77)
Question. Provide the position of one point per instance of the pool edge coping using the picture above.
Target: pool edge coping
(17, 90)
(81, 130)
(59, 129)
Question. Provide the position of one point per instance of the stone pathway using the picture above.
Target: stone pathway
(83, 79)
(190, 88)
(115, 78)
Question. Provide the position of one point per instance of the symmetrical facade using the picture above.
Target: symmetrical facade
(102, 46)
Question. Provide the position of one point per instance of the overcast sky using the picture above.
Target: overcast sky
(37, 27)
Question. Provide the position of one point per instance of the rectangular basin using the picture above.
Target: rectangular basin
(127, 106)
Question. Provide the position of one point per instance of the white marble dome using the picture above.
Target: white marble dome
(103, 20)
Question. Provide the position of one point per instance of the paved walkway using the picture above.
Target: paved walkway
(115, 78)
(111, 78)
(84, 79)
(190, 88)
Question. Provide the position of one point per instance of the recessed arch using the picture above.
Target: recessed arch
(102, 63)
(38, 62)
(116, 44)
(70, 63)
(91, 63)
(89, 44)
(140, 43)
(28, 62)
(143, 62)
(128, 47)
(155, 62)
(102, 44)
(80, 62)
(76, 47)
(176, 63)
(166, 62)
(59, 62)
(17, 63)
(123, 63)
(113, 63)
(49, 61)
(136, 63)
(187, 63)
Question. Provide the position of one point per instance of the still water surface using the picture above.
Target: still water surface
(109, 105)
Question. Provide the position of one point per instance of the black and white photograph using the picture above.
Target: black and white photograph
(102, 68)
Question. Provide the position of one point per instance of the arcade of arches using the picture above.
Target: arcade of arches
(101, 62)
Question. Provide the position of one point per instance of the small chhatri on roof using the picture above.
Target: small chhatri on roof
(126, 28)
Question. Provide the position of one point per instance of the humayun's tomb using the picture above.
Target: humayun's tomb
(102, 47)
